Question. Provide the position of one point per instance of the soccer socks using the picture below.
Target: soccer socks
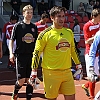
(87, 84)
(17, 88)
(92, 88)
(29, 91)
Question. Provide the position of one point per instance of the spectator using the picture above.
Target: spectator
(7, 29)
(33, 4)
(57, 45)
(76, 30)
(41, 25)
(66, 4)
(16, 6)
(42, 8)
(25, 34)
(89, 9)
(81, 9)
(89, 30)
(51, 3)
(97, 5)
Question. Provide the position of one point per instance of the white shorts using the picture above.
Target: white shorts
(96, 66)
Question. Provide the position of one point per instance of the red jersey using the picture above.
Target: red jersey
(7, 29)
(40, 26)
(90, 30)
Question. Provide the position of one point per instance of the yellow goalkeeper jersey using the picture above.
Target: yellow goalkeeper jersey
(58, 48)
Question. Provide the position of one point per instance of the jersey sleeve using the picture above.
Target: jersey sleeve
(86, 31)
(14, 31)
(74, 54)
(94, 48)
(39, 47)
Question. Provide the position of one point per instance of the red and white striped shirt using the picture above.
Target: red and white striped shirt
(40, 26)
(7, 29)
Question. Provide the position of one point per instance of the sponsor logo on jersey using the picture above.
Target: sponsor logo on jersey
(28, 38)
(63, 45)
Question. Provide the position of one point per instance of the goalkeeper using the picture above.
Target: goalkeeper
(57, 45)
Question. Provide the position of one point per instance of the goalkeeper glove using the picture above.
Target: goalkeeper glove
(92, 76)
(79, 72)
(34, 73)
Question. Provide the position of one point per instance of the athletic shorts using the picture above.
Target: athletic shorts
(58, 81)
(24, 66)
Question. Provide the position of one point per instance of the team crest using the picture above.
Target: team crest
(33, 30)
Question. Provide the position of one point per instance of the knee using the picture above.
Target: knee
(21, 81)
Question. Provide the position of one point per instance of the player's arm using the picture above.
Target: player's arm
(39, 47)
(76, 60)
(74, 53)
(95, 46)
(1, 39)
(93, 49)
(11, 57)
(11, 43)
(88, 39)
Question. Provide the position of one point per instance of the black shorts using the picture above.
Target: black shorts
(24, 66)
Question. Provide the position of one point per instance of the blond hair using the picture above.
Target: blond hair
(95, 12)
(27, 7)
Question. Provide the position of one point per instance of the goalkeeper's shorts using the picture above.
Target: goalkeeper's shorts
(58, 81)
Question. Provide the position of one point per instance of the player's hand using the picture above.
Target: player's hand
(79, 72)
(12, 58)
(92, 76)
(34, 73)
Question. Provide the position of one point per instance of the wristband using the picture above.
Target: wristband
(79, 66)
(34, 73)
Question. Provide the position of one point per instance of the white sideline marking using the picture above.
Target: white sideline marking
(7, 80)
(25, 91)
(42, 89)
(6, 71)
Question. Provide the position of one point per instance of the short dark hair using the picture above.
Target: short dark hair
(14, 17)
(56, 9)
(95, 12)
(76, 21)
(44, 15)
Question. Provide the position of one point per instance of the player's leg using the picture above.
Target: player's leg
(67, 97)
(92, 84)
(86, 85)
(67, 87)
(29, 87)
(20, 74)
(17, 87)
(52, 80)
